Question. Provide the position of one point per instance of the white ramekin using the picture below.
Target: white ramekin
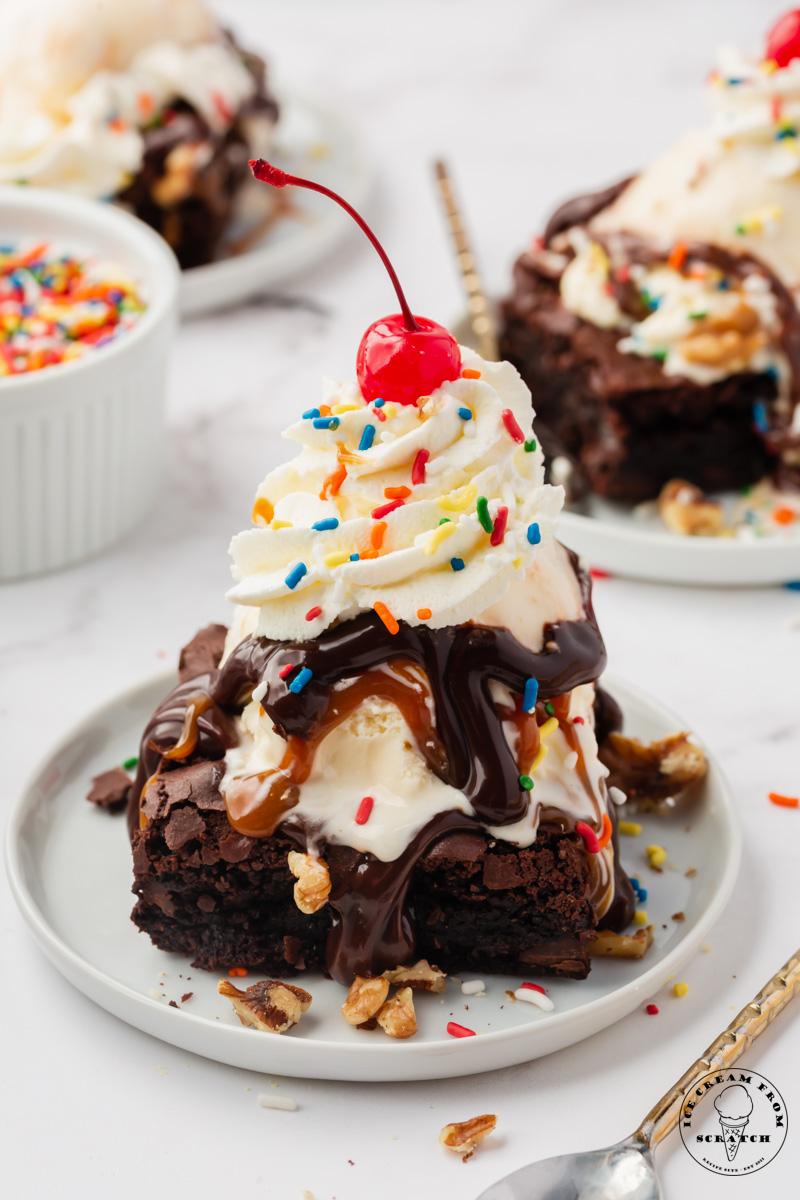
(81, 443)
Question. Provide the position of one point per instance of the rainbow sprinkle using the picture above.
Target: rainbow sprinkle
(457, 564)
(325, 524)
(54, 308)
(303, 676)
(295, 575)
(367, 437)
(530, 694)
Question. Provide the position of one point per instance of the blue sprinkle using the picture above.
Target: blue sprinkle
(760, 418)
(457, 564)
(326, 523)
(300, 680)
(772, 373)
(379, 403)
(325, 422)
(26, 310)
(355, 557)
(465, 413)
(782, 134)
(642, 894)
(530, 694)
(367, 437)
(295, 575)
(793, 585)
(115, 295)
(534, 533)
(723, 286)
(310, 413)
(634, 883)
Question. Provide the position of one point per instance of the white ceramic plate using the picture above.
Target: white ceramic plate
(313, 140)
(614, 537)
(69, 867)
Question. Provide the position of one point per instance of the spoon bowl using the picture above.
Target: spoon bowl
(621, 1172)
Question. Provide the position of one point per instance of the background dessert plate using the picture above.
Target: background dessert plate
(312, 138)
(634, 542)
(70, 870)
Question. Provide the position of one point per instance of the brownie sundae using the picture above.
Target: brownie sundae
(392, 754)
(151, 105)
(655, 321)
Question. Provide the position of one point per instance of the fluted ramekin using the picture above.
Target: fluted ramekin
(81, 443)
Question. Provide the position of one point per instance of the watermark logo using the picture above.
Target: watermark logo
(733, 1122)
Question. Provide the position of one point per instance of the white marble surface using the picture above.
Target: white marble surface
(527, 100)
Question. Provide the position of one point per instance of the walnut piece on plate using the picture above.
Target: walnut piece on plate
(607, 944)
(651, 773)
(422, 977)
(270, 1006)
(364, 1000)
(686, 510)
(398, 1017)
(462, 1137)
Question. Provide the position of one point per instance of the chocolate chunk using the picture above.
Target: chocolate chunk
(184, 825)
(110, 790)
(202, 654)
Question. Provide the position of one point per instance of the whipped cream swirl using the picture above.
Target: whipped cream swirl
(753, 102)
(354, 523)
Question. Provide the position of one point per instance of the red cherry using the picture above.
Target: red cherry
(402, 364)
(783, 39)
(401, 357)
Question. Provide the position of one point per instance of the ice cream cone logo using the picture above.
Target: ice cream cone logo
(734, 1108)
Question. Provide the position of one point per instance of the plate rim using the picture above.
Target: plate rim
(79, 971)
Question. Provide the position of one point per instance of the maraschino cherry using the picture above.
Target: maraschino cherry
(401, 357)
(783, 39)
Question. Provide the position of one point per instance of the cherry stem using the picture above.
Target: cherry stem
(267, 173)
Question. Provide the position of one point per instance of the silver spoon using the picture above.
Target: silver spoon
(627, 1171)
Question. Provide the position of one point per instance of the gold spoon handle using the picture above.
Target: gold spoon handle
(724, 1050)
(480, 313)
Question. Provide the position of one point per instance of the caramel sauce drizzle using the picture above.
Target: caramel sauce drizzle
(258, 803)
(187, 742)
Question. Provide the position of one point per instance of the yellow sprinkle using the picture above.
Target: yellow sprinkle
(629, 828)
(338, 409)
(680, 989)
(656, 856)
(769, 66)
(461, 499)
(540, 754)
(640, 917)
(438, 535)
(281, 524)
(335, 560)
(550, 726)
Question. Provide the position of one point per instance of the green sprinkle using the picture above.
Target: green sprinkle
(697, 316)
(482, 509)
(526, 783)
(130, 764)
(530, 445)
(444, 521)
(659, 355)
(548, 708)
(740, 229)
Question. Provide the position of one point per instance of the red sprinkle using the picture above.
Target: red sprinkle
(652, 1010)
(512, 425)
(379, 413)
(456, 1030)
(623, 274)
(286, 671)
(237, 972)
(223, 108)
(578, 721)
(588, 836)
(599, 573)
(776, 108)
(534, 987)
(418, 467)
(784, 801)
(384, 509)
(364, 810)
(500, 523)
(313, 613)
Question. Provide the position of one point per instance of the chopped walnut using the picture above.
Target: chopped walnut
(725, 340)
(607, 944)
(422, 977)
(650, 773)
(463, 1136)
(365, 1000)
(180, 168)
(686, 510)
(397, 1018)
(313, 881)
(271, 1006)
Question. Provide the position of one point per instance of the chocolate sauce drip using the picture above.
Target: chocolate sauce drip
(460, 661)
(579, 210)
